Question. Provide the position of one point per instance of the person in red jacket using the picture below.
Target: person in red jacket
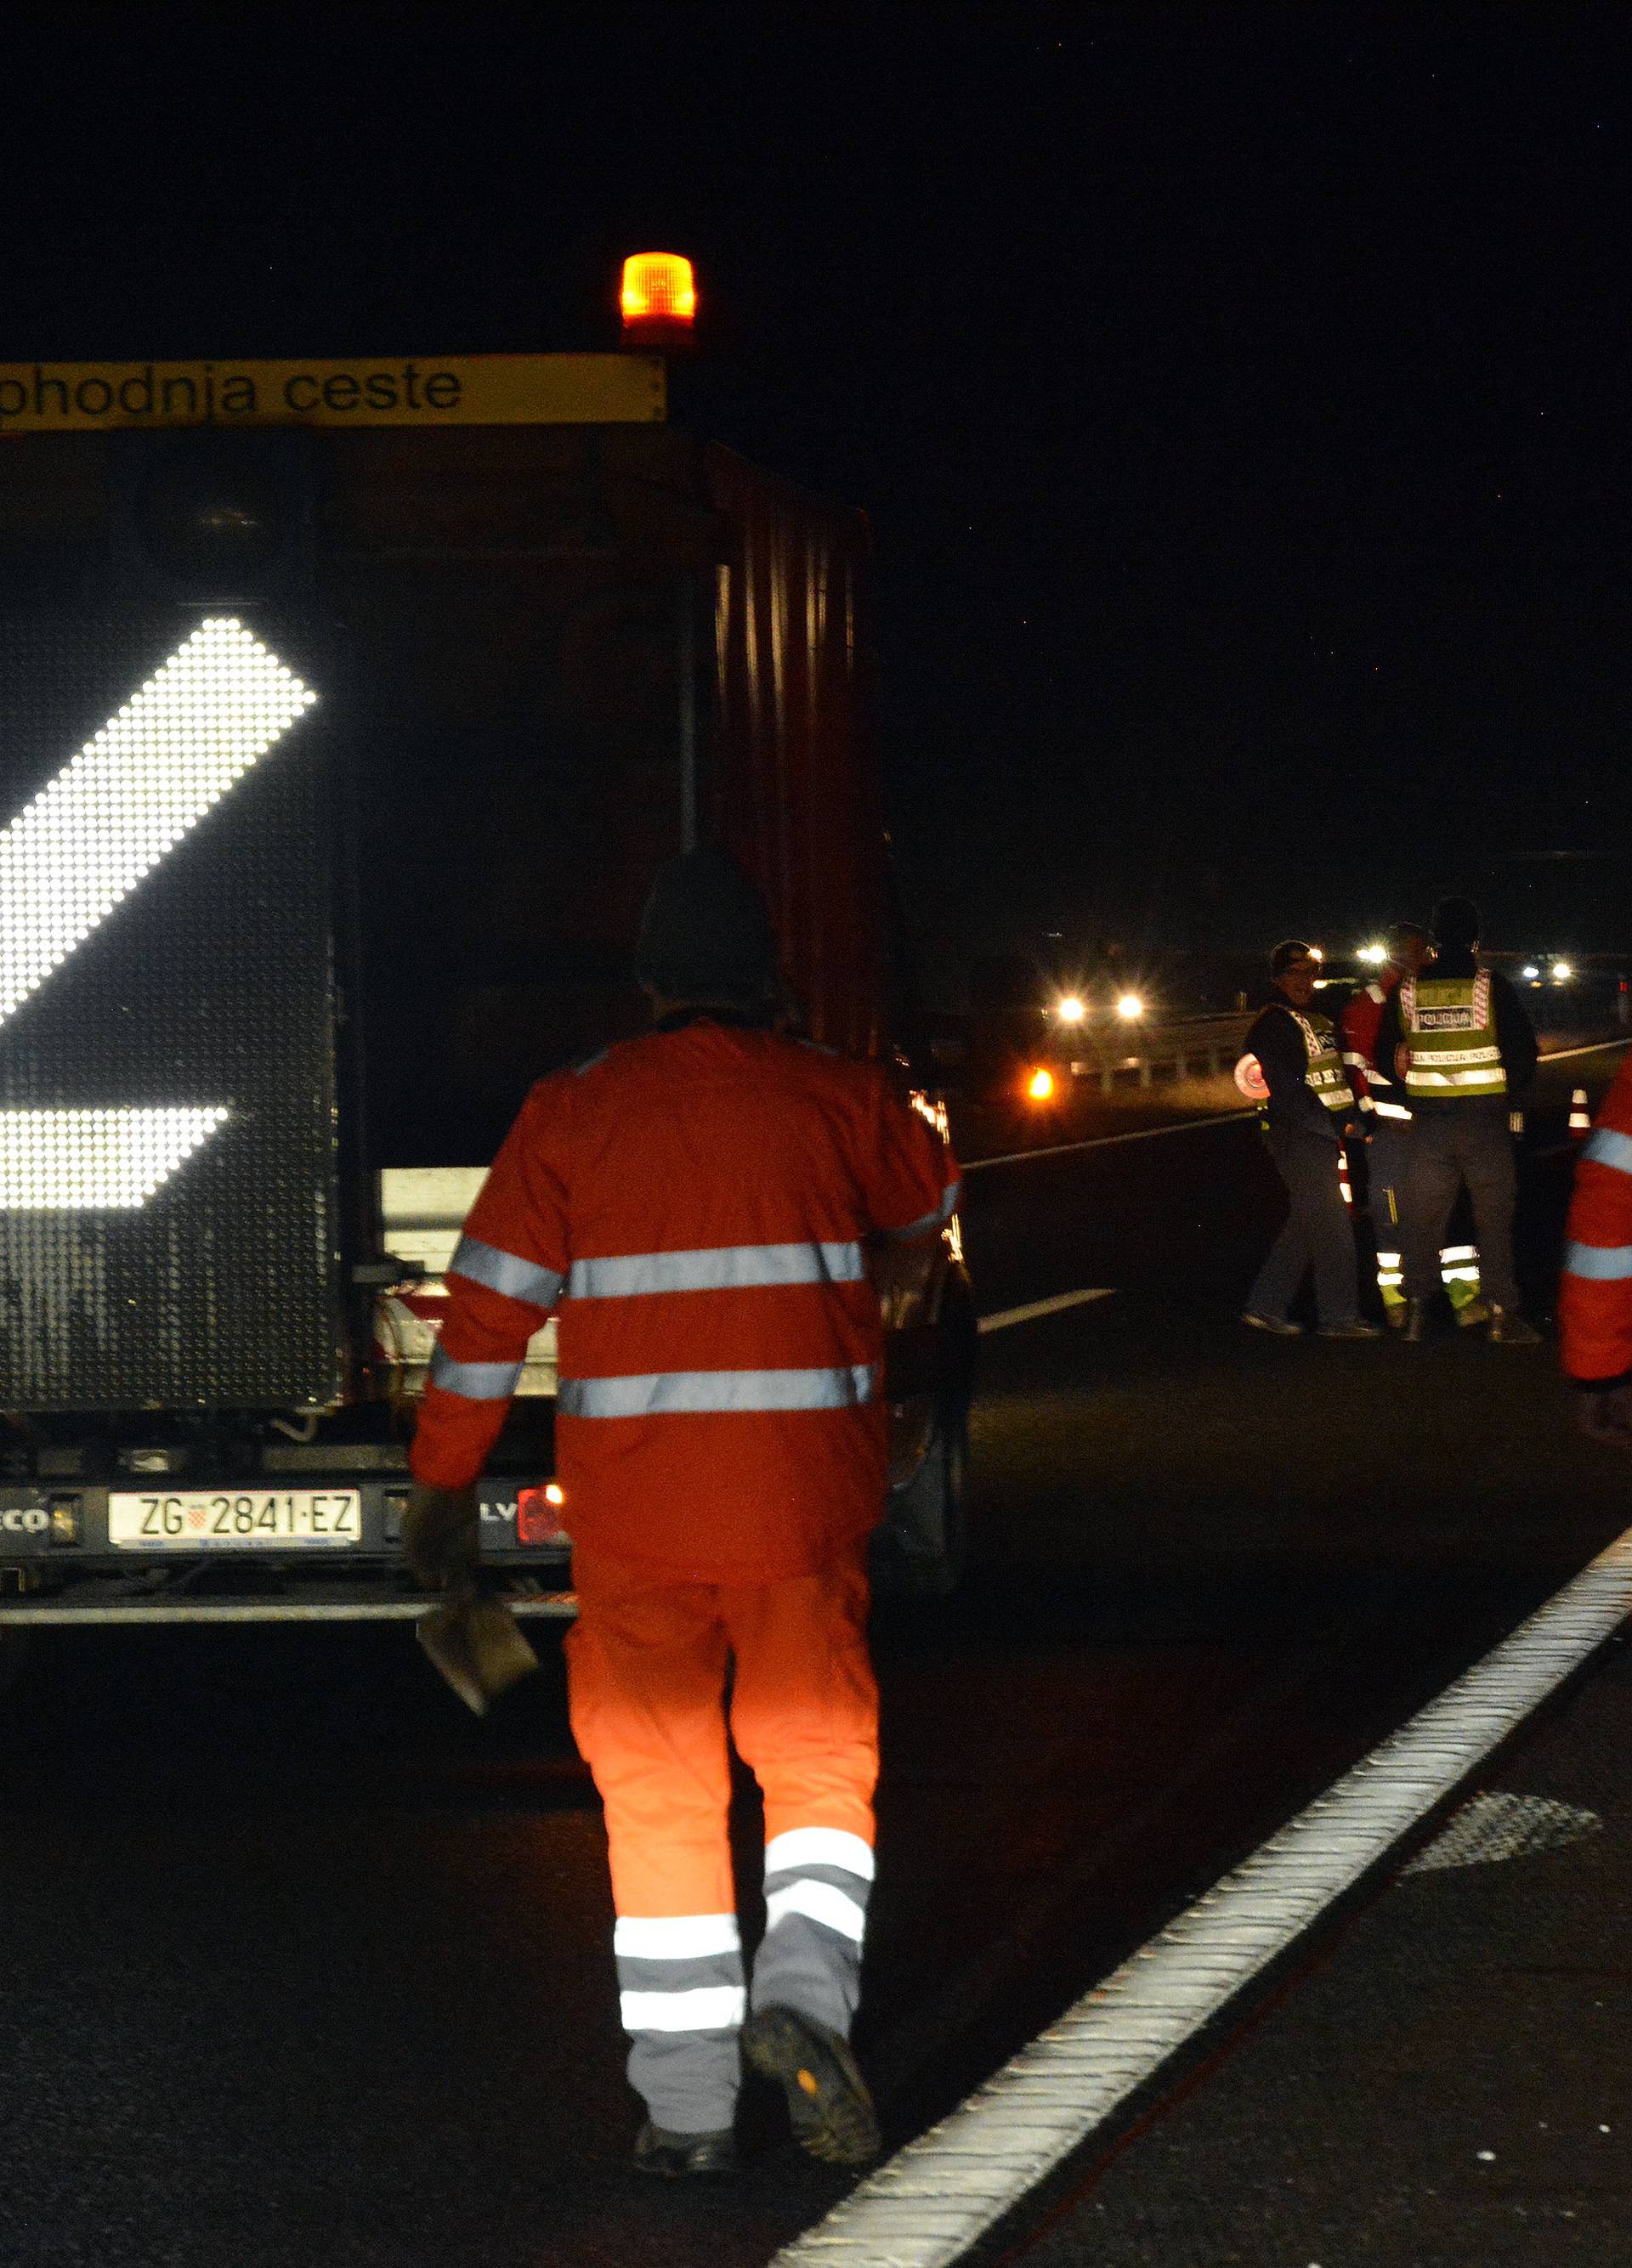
(700, 1207)
(1595, 1291)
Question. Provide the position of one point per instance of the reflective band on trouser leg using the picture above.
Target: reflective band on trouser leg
(818, 1880)
(1458, 1272)
(1389, 1276)
(680, 1986)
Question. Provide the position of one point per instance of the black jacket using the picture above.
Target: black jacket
(1277, 1041)
(1516, 1035)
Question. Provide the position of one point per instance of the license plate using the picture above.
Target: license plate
(200, 1519)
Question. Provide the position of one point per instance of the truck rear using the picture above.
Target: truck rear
(337, 753)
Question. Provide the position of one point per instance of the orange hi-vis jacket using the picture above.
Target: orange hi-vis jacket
(1595, 1293)
(695, 1206)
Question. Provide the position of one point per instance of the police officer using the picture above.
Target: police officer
(1308, 1109)
(699, 1205)
(1463, 1047)
(1387, 1120)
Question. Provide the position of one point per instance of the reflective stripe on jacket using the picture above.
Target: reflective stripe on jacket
(1325, 1076)
(1450, 1029)
(695, 1206)
(1595, 1291)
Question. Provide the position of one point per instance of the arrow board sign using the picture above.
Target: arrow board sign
(89, 838)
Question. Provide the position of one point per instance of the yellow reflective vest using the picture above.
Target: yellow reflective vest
(1450, 1029)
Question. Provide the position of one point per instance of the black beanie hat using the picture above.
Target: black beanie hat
(1455, 922)
(706, 935)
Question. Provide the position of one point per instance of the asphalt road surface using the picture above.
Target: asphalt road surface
(306, 1966)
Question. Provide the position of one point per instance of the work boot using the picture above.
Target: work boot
(1357, 1329)
(1470, 1313)
(680, 2157)
(1414, 1328)
(828, 2104)
(1507, 1328)
(1278, 1324)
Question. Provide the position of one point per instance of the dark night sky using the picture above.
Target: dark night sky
(1239, 392)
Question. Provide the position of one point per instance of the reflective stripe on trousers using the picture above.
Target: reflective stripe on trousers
(818, 1882)
(682, 1998)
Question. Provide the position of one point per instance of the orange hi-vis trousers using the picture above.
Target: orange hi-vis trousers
(647, 1662)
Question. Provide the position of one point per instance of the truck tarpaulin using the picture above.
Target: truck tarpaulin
(794, 772)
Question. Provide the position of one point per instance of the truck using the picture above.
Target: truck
(346, 709)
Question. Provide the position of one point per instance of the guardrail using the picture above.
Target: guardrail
(1202, 1045)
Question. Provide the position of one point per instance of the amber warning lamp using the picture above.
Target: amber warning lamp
(659, 300)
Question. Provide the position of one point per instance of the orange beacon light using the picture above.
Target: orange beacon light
(658, 299)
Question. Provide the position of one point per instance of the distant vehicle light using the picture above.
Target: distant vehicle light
(658, 298)
(1040, 1086)
(1071, 1010)
(1315, 953)
(1130, 1008)
(1532, 974)
(1375, 955)
(1562, 972)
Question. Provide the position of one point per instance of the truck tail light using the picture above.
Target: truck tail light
(538, 1515)
(658, 299)
(67, 1529)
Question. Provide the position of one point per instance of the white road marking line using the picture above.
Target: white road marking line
(1052, 1306)
(935, 2197)
(1562, 1054)
(1109, 1141)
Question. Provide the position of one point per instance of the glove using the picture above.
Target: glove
(1606, 1414)
(442, 1535)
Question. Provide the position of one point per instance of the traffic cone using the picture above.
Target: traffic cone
(1580, 1117)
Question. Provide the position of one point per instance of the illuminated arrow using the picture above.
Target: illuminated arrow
(89, 836)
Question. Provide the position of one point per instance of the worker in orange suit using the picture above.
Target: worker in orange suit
(1595, 1294)
(699, 1206)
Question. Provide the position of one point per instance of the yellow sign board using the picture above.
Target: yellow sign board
(560, 389)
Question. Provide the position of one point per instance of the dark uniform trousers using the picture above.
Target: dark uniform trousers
(1451, 1144)
(1317, 1235)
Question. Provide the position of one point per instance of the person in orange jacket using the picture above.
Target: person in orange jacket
(1595, 1291)
(698, 1207)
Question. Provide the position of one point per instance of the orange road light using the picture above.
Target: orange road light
(1040, 1086)
(658, 299)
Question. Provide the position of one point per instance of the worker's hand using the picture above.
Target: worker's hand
(903, 1276)
(1606, 1416)
(441, 1535)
